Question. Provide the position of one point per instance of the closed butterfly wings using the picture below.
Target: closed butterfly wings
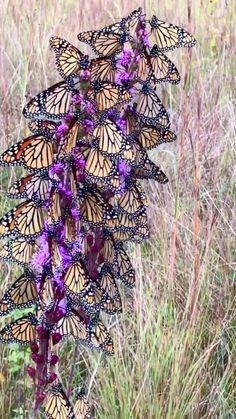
(156, 67)
(19, 251)
(81, 407)
(69, 60)
(22, 331)
(27, 220)
(32, 187)
(150, 109)
(107, 41)
(53, 103)
(23, 293)
(57, 405)
(34, 152)
(168, 36)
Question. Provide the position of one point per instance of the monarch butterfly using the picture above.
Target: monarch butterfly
(34, 153)
(81, 408)
(45, 128)
(99, 167)
(108, 95)
(157, 68)
(94, 209)
(168, 36)
(57, 404)
(18, 251)
(92, 299)
(104, 69)
(69, 60)
(71, 228)
(33, 187)
(122, 221)
(55, 209)
(76, 279)
(151, 136)
(108, 41)
(71, 139)
(149, 171)
(52, 104)
(72, 325)
(108, 252)
(133, 21)
(22, 293)
(21, 331)
(112, 301)
(131, 201)
(126, 273)
(110, 139)
(99, 337)
(150, 109)
(27, 219)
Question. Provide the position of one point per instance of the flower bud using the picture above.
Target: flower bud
(52, 377)
(56, 337)
(31, 372)
(54, 359)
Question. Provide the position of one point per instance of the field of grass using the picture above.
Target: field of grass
(175, 341)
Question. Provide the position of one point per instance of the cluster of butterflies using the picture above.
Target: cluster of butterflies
(86, 155)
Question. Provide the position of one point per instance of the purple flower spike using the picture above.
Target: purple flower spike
(62, 131)
(85, 75)
(54, 359)
(143, 35)
(126, 58)
(88, 126)
(77, 99)
(31, 371)
(122, 124)
(56, 337)
(69, 118)
(80, 163)
(89, 107)
(124, 169)
(75, 214)
(57, 169)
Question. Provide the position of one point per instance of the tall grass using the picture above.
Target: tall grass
(175, 341)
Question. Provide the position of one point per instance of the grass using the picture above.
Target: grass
(175, 341)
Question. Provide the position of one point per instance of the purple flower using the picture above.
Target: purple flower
(41, 259)
(124, 78)
(80, 163)
(75, 214)
(85, 75)
(67, 194)
(56, 337)
(62, 131)
(126, 58)
(54, 359)
(88, 126)
(57, 169)
(77, 99)
(123, 168)
(69, 117)
(143, 35)
(89, 107)
(66, 259)
(122, 124)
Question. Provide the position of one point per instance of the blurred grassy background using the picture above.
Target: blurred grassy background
(175, 341)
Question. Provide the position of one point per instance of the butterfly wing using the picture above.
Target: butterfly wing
(52, 104)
